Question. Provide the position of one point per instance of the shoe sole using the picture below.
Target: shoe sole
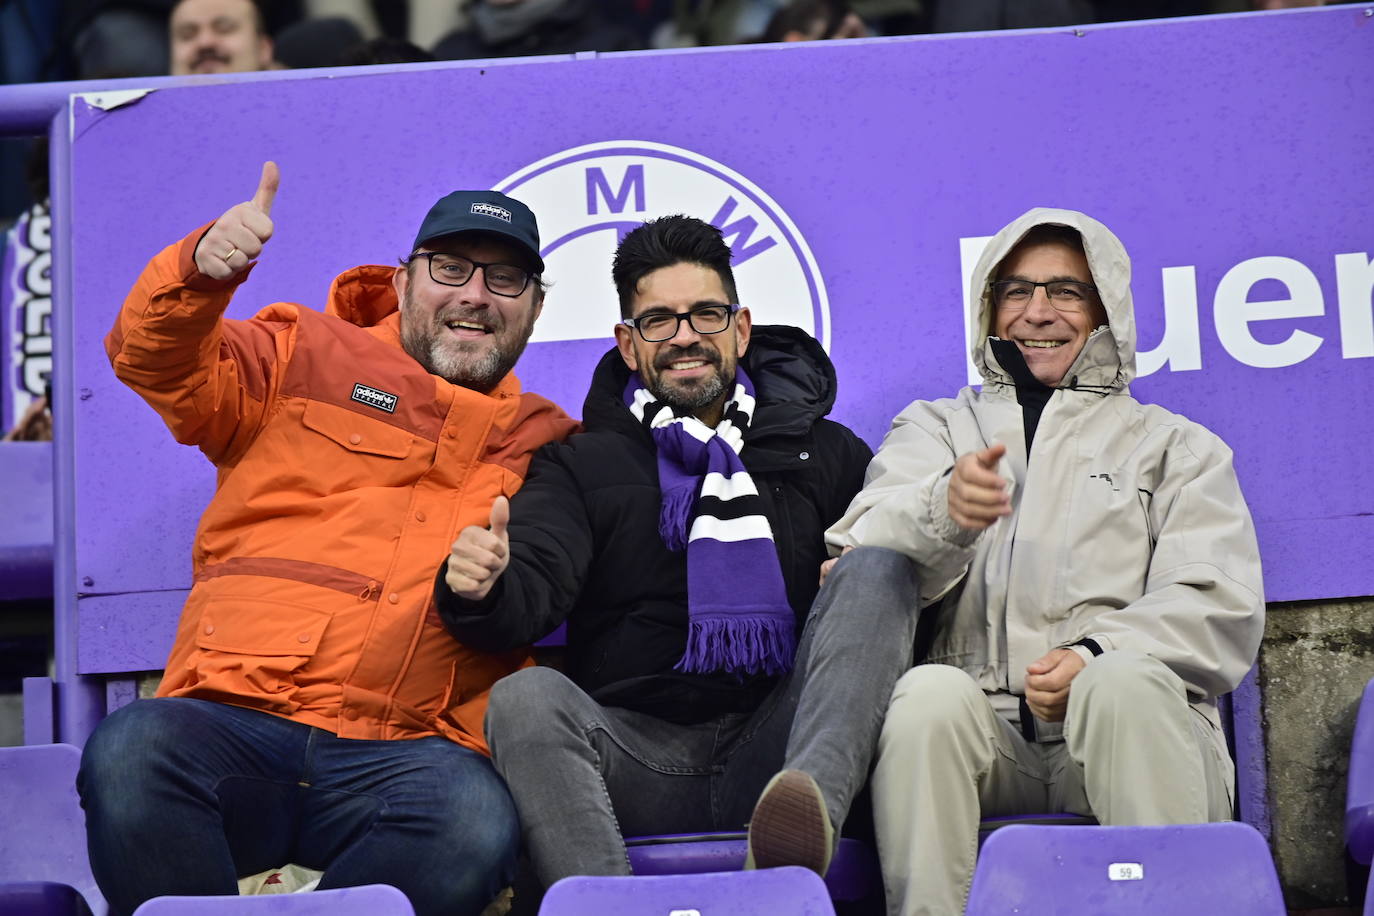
(789, 826)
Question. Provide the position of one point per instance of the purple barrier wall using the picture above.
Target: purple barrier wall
(78, 697)
(855, 181)
(26, 537)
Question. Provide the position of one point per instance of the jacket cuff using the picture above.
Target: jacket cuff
(1087, 649)
(191, 276)
(946, 528)
(459, 613)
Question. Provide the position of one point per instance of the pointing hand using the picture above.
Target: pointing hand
(977, 493)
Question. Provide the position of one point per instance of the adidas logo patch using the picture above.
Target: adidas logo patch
(500, 213)
(374, 397)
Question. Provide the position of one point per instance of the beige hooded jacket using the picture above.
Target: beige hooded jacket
(1127, 528)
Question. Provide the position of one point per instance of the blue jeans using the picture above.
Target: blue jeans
(185, 796)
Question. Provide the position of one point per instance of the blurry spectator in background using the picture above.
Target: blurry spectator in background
(384, 51)
(218, 36)
(26, 307)
(317, 42)
(34, 426)
(715, 22)
(812, 20)
(643, 17)
(720, 22)
(977, 15)
(115, 39)
(338, 42)
(517, 28)
(421, 22)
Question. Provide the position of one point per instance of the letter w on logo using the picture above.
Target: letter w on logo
(741, 230)
(598, 186)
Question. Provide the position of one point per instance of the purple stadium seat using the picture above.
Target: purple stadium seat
(368, 900)
(43, 830)
(41, 898)
(1359, 787)
(768, 892)
(26, 537)
(853, 873)
(1216, 869)
(989, 824)
(1359, 792)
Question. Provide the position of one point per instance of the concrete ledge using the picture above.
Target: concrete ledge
(1316, 658)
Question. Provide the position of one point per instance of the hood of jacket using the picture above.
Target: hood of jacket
(794, 385)
(1107, 360)
(363, 296)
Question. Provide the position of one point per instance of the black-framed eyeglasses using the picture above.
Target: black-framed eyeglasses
(456, 270)
(1064, 295)
(660, 326)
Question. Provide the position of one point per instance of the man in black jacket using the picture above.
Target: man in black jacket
(681, 536)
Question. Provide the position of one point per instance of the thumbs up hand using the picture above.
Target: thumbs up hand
(237, 237)
(977, 493)
(479, 556)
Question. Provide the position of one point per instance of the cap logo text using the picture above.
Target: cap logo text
(373, 397)
(500, 213)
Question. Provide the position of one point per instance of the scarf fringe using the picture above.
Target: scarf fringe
(735, 645)
(675, 514)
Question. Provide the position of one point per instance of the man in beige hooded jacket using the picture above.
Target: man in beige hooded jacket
(1090, 580)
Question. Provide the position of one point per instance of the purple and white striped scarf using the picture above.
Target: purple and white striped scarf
(739, 619)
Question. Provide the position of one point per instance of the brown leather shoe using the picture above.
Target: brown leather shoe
(790, 825)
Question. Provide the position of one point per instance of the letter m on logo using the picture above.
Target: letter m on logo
(599, 188)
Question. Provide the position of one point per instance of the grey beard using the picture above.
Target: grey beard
(482, 374)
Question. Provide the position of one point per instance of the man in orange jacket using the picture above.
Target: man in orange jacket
(314, 709)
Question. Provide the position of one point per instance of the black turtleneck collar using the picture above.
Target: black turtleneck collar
(1031, 393)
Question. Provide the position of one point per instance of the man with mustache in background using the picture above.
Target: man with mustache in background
(681, 538)
(218, 36)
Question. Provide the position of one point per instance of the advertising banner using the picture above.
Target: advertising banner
(856, 182)
(25, 314)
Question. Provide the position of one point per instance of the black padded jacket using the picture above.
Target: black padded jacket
(585, 546)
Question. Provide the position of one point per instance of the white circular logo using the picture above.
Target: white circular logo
(587, 198)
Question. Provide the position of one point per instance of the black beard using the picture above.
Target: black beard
(694, 399)
(689, 398)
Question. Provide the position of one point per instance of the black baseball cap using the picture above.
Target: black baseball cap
(483, 211)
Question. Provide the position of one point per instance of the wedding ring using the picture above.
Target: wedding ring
(228, 255)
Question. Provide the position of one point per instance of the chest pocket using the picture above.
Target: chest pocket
(357, 433)
(1111, 535)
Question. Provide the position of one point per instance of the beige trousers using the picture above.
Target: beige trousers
(1134, 752)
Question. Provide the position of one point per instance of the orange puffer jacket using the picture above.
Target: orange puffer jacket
(345, 471)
